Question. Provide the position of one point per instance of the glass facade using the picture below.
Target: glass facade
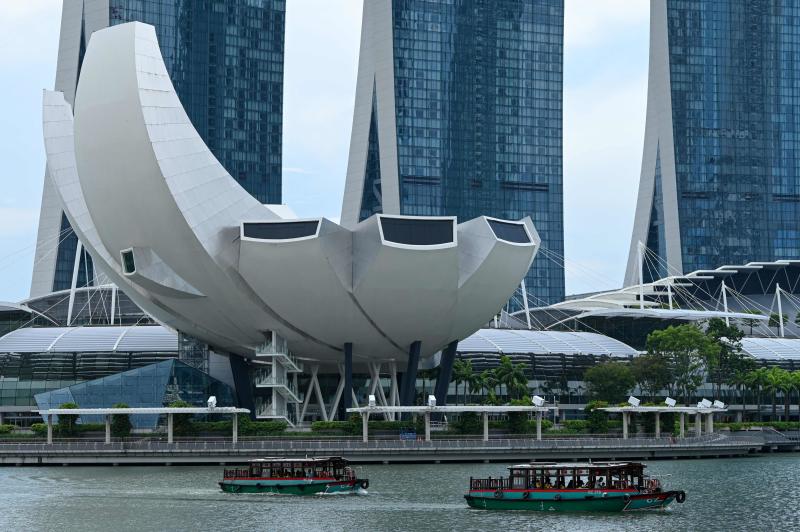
(151, 386)
(225, 58)
(478, 96)
(27, 374)
(735, 86)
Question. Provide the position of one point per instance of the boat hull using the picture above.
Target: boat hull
(290, 487)
(532, 500)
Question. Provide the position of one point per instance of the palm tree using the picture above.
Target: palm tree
(741, 380)
(512, 376)
(475, 383)
(462, 371)
(757, 380)
(774, 380)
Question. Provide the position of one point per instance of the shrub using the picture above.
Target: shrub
(121, 423)
(247, 427)
(181, 423)
(40, 429)
(67, 422)
(468, 423)
(6, 429)
(596, 420)
(578, 425)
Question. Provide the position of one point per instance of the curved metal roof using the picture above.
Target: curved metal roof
(506, 341)
(139, 339)
(772, 348)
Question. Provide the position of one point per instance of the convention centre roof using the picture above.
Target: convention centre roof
(90, 339)
(505, 341)
(772, 348)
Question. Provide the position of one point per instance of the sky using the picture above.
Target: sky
(605, 89)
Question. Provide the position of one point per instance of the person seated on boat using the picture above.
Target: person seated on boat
(548, 485)
(579, 483)
(571, 484)
(601, 484)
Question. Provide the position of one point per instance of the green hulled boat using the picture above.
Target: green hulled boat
(589, 487)
(294, 476)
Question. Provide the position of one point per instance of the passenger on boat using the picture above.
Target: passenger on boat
(571, 484)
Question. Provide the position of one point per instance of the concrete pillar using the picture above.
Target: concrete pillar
(235, 438)
(2, 418)
(408, 388)
(365, 427)
(683, 424)
(538, 425)
(49, 429)
(710, 423)
(698, 424)
(445, 373)
(427, 426)
(108, 428)
(486, 426)
(347, 393)
(658, 424)
(169, 428)
(625, 425)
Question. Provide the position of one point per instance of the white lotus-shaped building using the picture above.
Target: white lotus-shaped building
(167, 223)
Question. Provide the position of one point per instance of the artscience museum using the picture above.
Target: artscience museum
(166, 223)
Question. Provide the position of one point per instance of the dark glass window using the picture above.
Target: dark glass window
(510, 232)
(128, 263)
(417, 232)
(280, 230)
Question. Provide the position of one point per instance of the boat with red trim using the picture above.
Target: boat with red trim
(572, 487)
(294, 476)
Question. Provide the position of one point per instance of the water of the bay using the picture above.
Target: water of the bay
(757, 493)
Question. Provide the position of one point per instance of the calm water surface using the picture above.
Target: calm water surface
(759, 493)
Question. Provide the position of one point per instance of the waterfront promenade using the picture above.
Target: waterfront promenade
(147, 451)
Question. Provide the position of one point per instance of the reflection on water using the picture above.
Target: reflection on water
(758, 493)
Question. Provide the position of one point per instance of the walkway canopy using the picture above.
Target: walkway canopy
(169, 411)
(697, 411)
(485, 410)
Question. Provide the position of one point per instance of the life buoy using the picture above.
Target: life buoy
(680, 497)
(498, 494)
(365, 484)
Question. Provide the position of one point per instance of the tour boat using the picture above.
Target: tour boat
(574, 487)
(294, 476)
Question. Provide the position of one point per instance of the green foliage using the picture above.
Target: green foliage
(777, 425)
(651, 373)
(512, 376)
(40, 429)
(67, 423)
(6, 429)
(686, 351)
(609, 381)
(247, 427)
(578, 425)
(596, 420)
(181, 423)
(775, 319)
(468, 423)
(120, 423)
(751, 322)
(731, 361)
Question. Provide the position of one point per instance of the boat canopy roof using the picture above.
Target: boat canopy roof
(306, 460)
(578, 465)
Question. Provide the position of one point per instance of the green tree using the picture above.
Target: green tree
(757, 380)
(687, 351)
(751, 322)
(731, 359)
(512, 376)
(121, 423)
(773, 383)
(181, 423)
(597, 420)
(488, 380)
(775, 319)
(609, 381)
(462, 373)
(651, 374)
(67, 422)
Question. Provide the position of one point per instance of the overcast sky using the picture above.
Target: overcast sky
(605, 85)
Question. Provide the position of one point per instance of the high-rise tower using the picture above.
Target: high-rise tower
(720, 179)
(458, 112)
(225, 58)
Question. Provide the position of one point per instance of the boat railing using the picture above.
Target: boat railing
(489, 483)
(236, 473)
